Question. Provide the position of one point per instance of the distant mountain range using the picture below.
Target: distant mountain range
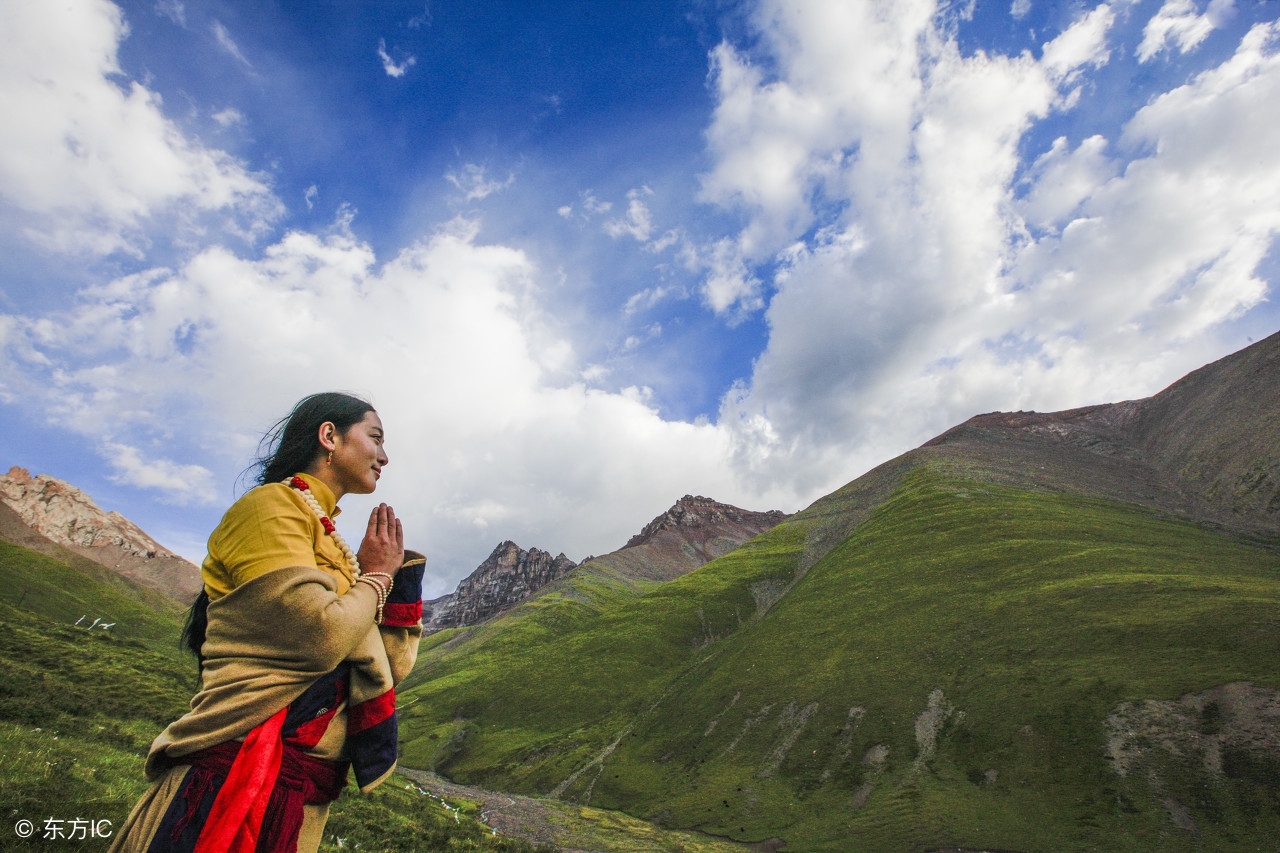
(692, 532)
(1036, 632)
(50, 516)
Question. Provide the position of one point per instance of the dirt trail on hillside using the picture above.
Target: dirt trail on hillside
(570, 827)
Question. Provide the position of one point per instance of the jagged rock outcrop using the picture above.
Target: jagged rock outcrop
(703, 522)
(509, 576)
(68, 517)
(692, 533)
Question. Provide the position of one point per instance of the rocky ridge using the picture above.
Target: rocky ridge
(702, 521)
(1203, 448)
(693, 532)
(508, 576)
(65, 515)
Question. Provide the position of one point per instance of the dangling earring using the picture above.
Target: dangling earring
(329, 461)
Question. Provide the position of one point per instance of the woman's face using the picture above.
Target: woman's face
(358, 456)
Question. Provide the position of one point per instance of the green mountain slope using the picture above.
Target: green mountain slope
(1021, 618)
(1037, 632)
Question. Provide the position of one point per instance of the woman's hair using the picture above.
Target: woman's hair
(289, 446)
(293, 442)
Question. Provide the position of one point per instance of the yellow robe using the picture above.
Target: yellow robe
(271, 528)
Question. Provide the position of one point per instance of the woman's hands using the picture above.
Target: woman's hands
(383, 547)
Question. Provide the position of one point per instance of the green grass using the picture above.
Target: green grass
(79, 709)
(1034, 614)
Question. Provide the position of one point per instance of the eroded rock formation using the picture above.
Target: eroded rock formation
(67, 516)
(509, 576)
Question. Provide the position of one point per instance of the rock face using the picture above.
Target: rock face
(707, 525)
(509, 576)
(692, 533)
(67, 516)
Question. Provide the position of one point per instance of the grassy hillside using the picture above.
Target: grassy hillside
(942, 676)
(79, 708)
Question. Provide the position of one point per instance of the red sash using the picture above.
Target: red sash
(267, 782)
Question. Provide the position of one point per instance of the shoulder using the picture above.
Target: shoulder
(276, 496)
(272, 501)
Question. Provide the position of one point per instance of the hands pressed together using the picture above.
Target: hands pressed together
(382, 549)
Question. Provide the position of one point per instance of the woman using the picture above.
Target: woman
(300, 643)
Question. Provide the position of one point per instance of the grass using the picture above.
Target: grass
(1032, 613)
(79, 709)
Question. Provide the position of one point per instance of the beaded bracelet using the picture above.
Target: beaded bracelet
(382, 592)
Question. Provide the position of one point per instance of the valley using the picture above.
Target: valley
(1036, 632)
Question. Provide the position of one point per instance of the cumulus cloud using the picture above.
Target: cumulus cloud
(492, 431)
(182, 484)
(1177, 24)
(89, 162)
(389, 65)
(953, 277)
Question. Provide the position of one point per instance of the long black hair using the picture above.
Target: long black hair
(291, 445)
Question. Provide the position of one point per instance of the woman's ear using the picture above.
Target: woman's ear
(328, 435)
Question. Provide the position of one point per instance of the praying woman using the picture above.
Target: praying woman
(300, 642)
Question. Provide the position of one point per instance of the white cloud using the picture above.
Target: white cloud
(638, 222)
(90, 164)
(182, 484)
(393, 68)
(228, 44)
(310, 196)
(1063, 179)
(228, 116)
(472, 181)
(492, 429)
(1020, 8)
(645, 299)
(937, 291)
(1178, 24)
(1082, 44)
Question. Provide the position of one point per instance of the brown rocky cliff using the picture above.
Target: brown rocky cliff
(68, 517)
(509, 576)
(692, 533)
(702, 521)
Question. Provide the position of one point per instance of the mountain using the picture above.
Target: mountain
(1036, 632)
(508, 576)
(692, 532)
(49, 510)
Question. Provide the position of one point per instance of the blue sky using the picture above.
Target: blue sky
(586, 258)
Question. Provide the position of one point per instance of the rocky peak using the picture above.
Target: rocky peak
(61, 512)
(68, 517)
(508, 576)
(695, 511)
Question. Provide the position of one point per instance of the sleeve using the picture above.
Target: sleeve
(402, 616)
(265, 530)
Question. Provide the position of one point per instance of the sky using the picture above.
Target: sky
(587, 258)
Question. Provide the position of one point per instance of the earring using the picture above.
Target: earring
(330, 459)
